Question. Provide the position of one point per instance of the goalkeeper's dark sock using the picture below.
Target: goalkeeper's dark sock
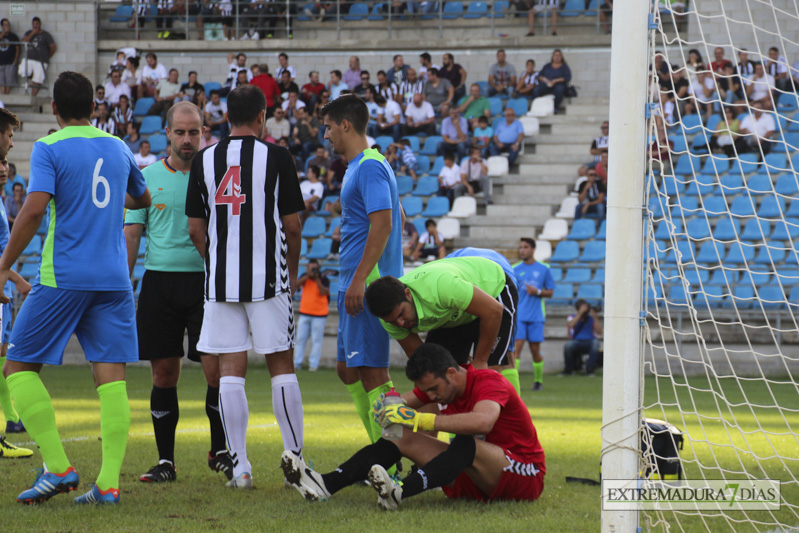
(443, 469)
(215, 420)
(383, 452)
(165, 412)
(376, 431)
(538, 371)
(512, 375)
(362, 406)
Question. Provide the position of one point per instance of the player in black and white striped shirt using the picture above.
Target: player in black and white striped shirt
(243, 204)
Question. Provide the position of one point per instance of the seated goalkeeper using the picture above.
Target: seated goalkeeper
(495, 454)
(461, 302)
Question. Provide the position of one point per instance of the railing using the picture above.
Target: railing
(23, 57)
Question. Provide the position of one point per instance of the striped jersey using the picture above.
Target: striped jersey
(408, 88)
(242, 187)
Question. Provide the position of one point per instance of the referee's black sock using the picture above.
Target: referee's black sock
(165, 412)
(383, 452)
(212, 410)
(443, 469)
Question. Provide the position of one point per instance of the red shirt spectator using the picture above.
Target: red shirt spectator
(268, 85)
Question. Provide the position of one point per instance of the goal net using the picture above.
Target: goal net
(720, 358)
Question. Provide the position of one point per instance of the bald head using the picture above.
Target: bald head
(183, 108)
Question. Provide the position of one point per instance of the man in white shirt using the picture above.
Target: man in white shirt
(777, 66)
(215, 113)
(430, 244)
(151, 74)
(756, 131)
(474, 176)
(234, 66)
(166, 93)
(312, 190)
(291, 105)
(759, 86)
(277, 126)
(283, 59)
(427, 63)
(420, 117)
(144, 157)
(115, 88)
(448, 178)
(336, 85)
(389, 114)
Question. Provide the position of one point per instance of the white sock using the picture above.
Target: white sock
(235, 414)
(287, 406)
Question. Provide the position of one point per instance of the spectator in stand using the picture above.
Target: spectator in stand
(412, 85)
(216, 115)
(439, 92)
(583, 328)
(508, 137)
(235, 64)
(756, 131)
(528, 82)
(41, 48)
(392, 157)
(455, 73)
(605, 13)
(420, 117)
(385, 88)
(426, 62)
(99, 98)
(455, 134)
(759, 86)
(719, 62)
(398, 71)
(277, 127)
(602, 169)
(151, 74)
(554, 79)
(13, 203)
(192, 89)
(474, 177)
(314, 308)
(448, 178)
(703, 90)
(599, 146)
(353, 76)
(726, 131)
(241, 78)
(729, 85)
(312, 89)
(744, 68)
(543, 6)
(166, 93)
(389, 114)
(501, 76)
(333, 177)
(474, 106)
(661, 68)
(305, 132)
(9, 55)
(115, 88)
(104, 122)
(321, 160)
(678, 89)
(371, 105)
(660, 146)
(483, 134)
(410, 237)
(777, 67)
(269, 86)
(312, 191)
(291, 105)
(132, 75)
(365, 83)
(122, 115)
(208, 138)
(287, 84)
(133, 140)
(283, 61)
(430, 244)
(408, 158)
(591, 198)
(336, 85)
(144, 158)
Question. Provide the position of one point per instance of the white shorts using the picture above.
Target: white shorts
(546, 5)
(226, 326)
(33, 69)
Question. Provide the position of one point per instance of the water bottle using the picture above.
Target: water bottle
(394, 431)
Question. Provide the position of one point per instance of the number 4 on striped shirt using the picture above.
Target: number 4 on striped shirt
(231, 180)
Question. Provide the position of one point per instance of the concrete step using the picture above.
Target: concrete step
(497, 242)
(535, 194)
(557, 138)
(18, 101)
(522, 210)
(555, 148)
(501, 235)
(530, 179)
(546, 158)
(497, 222)
(547, 169)
(547, 203)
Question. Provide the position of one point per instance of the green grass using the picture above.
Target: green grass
(567, 415)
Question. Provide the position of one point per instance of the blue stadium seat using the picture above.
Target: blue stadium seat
(712, 122)
(29, 270)
(759, 184)
(158, 141)
(791, 140)
(33, 248)
(300, 14)
(756, 229)
(656, 207)
(565, 252)
(710, 296)
(786, 276)
(562, 295)
(334, 287)
(698, 228)
(677, 295)
(599, 276)
(419, 224)
(324, 209)
(578, 275)
(686, 207)
(591, 293)
(788, 102)
(412, 205)
(656, 250)
(700, 186)
(142, 106)
(600, 234)
(304, 248)
(320, 248)
(414, 140)
(582, 229)
(772, 253)
(743, 206)
(452, 10)
(520, 106)
(150, 124)
(688, 164)
(700, 143)
(776, 161)
(377, 11)
(431, 145)
(211, 86)
(672, 186)
(795, 158)
(424, 165)
(739, 254)
(754, 278)
(771, 207)
(426, 186)
(716, 165)
(573, 8)
(667, 228)
(697, 278)
(437, 206)
(495, 105)
(357, 11)
(653, 291)
(500, 7)
(786, 184)
(731, 184)
(742, 298)
(679, 143)
(745, 164)
(727, 229)
(714, 206)
(123, 13)
(383, 141)
(771, 297)
(723, 277)
(497, 121)
(313, 227)
(476, 10)
(557, 274)
(438, 164)
(404, 185)
(594, 252)
(691, 123)
(711, 252)
(793, 209)
(334, 223)
(786, 230)
(484, 86)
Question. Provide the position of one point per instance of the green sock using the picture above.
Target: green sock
(6, 404)
(538, 371)
(362, 406)
(114, 427)
(36, 409)
(373, 394)
(518, 364)
(512, 375)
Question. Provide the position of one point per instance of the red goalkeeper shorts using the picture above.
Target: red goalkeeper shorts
(520, 480)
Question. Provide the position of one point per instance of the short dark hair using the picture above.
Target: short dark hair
(244, 104)
(429, 222)
(425, 56)
(383, 72)
(348, 107)
(396, 56)
(449, 156)
(365, 72)
(433, 71)
(774, 49)
(213, 92)
(383, 295)
(73, 95)
(337, 73)
(134, 61)
(451, 57)
(135, 125)
(579, 303)
(482, 118)
(283, 54)
(151, 54)
(4, 20)
(8, 120)
(34, 19)
(99, 88)
(314, 261)
(379, 100)
(529, 241)
(315, 169)
(145, 141)
(192, 72)
(21, 186)
(429, 358)
(173, 70)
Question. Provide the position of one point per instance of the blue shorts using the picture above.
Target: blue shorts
(104, 322)
(362, 340)
(530, 331)
(8, 312)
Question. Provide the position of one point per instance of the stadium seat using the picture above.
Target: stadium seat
(426, 186)
(723, 277)
(786, 230)
(795, 158)
(793, 209)
(727, 229)
(716, 165)
(495, 105)
(484, 86)
(600, 233)
(711, 296)
(703, 184)
(594, 252)
(772, 253)
(677, 295)
(743, 206)
(776, 162)
(555, 229)
(565, 252)
(424, 165)
(567, 207)
(476, 10)
(557, 273)
(500, 7)
(679, 143)
(431, 145)
(742, 298)
(313, 227)
(712, 122)
(320, 248)
(563, 294)
(744, 164)
(591, 293)
(759, 184)
(150, 124)
(304, 248)
(211, 86)
(384, 140)
(656, 250)
(791, 140)
(755, 229)
(450, 228)
(324, 209)
(573, 8)
(771, 207)
(696, 278)
(543, 106)
(419, 223)
(519, 105)
(655, 207)
(463, 207)
(123, 13)
(404, 185)
(582, 229)
(754, 278)
(543, 251)
(688, 164)
(414, 140)
(672, 186)
(531, 125)
(377, 11)
(357, 11)
(739, 254)
(599, 276)
(786, 184)
(437, 206)
(711, 252)
(788, 102)
(698, 228)
(452, 10)
(577, 275)
(142, 106)
(412, 205)
(691, 123)
(438, 164)
(498, 166)
(787, 275)
(731, 184)
(158, 142)
(686, 207)
(33, 248)
(700, 144)
(667, 228)
(684, 252)
(771, 297)
(334, 223)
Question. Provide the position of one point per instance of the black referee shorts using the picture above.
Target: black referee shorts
(170, 304)
(461, 340)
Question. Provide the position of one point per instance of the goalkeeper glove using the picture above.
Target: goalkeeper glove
(377, 406)
(406, 416)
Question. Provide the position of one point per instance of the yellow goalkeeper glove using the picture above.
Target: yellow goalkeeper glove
(406, 416)
(377, 406)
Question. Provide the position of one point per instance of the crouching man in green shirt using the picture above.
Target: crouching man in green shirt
(461, 303)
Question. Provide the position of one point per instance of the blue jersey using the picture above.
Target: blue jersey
(87, 172)
(538, 275)
(491, 255)
(3, 243)
(368, 186)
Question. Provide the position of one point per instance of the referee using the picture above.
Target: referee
(171, 299)
(243, 203)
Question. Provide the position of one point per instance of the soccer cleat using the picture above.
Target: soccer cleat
(389, 492)
(221, 462)
(98, 496)
(48, 484)
(304, 479)
(537, 386)
(242, 481)
(9, 451)
(160, 472)
(15, 427)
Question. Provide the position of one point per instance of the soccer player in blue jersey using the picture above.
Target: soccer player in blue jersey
(535, 283)
(371, 247)
(84, 178)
